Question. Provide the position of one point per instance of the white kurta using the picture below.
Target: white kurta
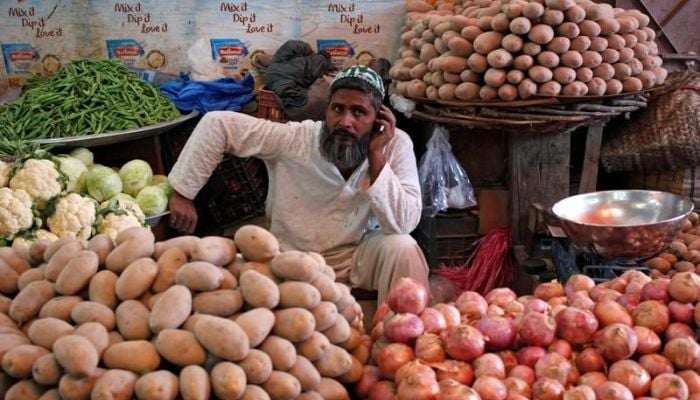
(310, 205)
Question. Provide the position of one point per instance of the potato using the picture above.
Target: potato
(96, 333)
(540, 74)
(523, 62)
(44, 332)
(19, 283)
(589, 28)
(515, 76)
(531, 49)
(259, 290)
(185, 243)
(551, 88)
(59, 307)
(330, 389)
(222, 303)
(562, 5)
(256, 324)
(460, 46)
(651, 35)
(486, 43)
(282, 385)
(622, 71)
(477, 63)
(102, 288)
(568, 30)
(115, 337)
(168, 264)
(294, 324)
(314, 347)
(171, 309)
(28, 302)
(36, 251)
(591, 59)
(339, 332)
(564, 75)
(471, 32)
(418, 71)
(440, 46)
(459, 22)
(416, 89)
(631, 84)
(541, 34)
(255, 392)
(222, 337)
(115, 384)
(584, 74)
(157, 385)
(552, 17)
(61, 257)
(499, 58)
(136, 279)
(17, 260)
(580, 44)
(229, 281)
(132, 320)
(9, 341)
(132, 355)
(334, 362)
(431, 92)
(24, 390)
(305, 372)
(180, 347)
(533, 10)
(596, 87)
(101, 244)
(194, 383)
(575, 89)
(466, 91)
(90, 311)
(46, 370)
(256, 243)
(126, 253)
(5, 305)
(627, 25)
(228, 380)
(54, 246)
(215, 250)
(76, 354)
(138, 233)
(281, 351)
(613, 86)
(18, 362)
(574, 14)
(626, 55)
(559, 45)
(72, 388)
(199, 276)
(507, 92)
(257, 366)
(647, 78)
(500, 23)
(548, 59)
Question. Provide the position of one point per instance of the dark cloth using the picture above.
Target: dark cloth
(293, 70)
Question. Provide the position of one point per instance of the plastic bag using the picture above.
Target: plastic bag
(444, 182)
(202, 66)
(402, 105)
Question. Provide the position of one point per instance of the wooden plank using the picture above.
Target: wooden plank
(589, 173)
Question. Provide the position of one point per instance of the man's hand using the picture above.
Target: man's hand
(183, 214)
(381, 134)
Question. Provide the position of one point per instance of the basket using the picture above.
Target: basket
(447, 238)
(665, 136)
(269, 108)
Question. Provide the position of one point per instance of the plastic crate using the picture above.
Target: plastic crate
(269, 108)
(447, 238)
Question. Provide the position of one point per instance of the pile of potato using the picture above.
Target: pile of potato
(683, 254)
(510, 49)
(184, 318)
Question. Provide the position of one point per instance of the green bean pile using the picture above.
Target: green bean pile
(85, 97)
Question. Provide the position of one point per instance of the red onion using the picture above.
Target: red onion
(677, 330)
(510, 360)
(656, 290)
(514, 309)
(578, 282)
(414, 368)
(616, 342)
(450, 312)
(500, 297)
(648, 342)
(499, 332)
(407, 296)
(456, 370)
(553, 366)
(630, 301)
(529, 355)
(489, 364)
(453, 390)
(392, 357)
(610, 312)
(523, 372)
(584, 303)
(556, 310)
(692, 379)
(600, 292)
(656, 364)
(490, 388)
(377, 331)
(652, 314)
(495, 311)
(557, 301)
(684, 287)
(631, 375)
(379, 315)
(548, 290)
(547, 389)
(471, 305)
(635, 276)
(537, 305)
(634, 288)
(517, 386)
(429, 348)
(418, 388)
(537, 329)
(681, 312)
(592, 379)
(589, 360)
(618, 284)
(433, 320)
(576, 326)
(463, 342)
(382, 390)
(613, 391)
(561, 347)
(403, 328)
(669, 385)
(370, 375)
(684, 353)
(582, 392)
(574, 376)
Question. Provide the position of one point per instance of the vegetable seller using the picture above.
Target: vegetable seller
(346, 187)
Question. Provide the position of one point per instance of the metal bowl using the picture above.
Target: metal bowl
(623, 224)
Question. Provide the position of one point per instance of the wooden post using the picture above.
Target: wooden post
(589, 173)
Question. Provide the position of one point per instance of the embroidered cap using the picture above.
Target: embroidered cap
(361, 72)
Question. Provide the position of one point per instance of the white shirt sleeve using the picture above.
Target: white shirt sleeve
(395, 196)
(221, 132)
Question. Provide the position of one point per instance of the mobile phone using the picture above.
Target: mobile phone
(379, 128)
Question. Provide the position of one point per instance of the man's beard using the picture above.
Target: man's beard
(342, 155)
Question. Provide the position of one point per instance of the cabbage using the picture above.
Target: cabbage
(126, 203)
(83, 155)
(103, 183)
(152, 200)
(135, 175)
(162, 182)
(158, 179)
(73, 168)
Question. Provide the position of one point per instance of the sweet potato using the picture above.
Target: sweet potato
(102, 288)
(126, 253)
(76, 354)
(28, 302)
(256, 243)
(18, 362)
(101, 244)
(180, 347)
(157, 385)
(59, 307)
(61, 257)
(44, 332)
(132, 355)
(115, 384)
(257, 366)
(97, 335)
(90, 311)
(222, 337)
(46, 370)
(259, 290)
(185, 243)
(194, 383)
(171, 309)
(132, 320)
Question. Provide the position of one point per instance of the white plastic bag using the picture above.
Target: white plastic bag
(202, 66)
(444, 182)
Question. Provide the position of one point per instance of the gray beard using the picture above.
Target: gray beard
(342, 156)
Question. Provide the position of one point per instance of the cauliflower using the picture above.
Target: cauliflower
(16, 214)
(39, 178)
(124, 202)
(5, 169)
(39, 234)
(73, 217)
(113, 223)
